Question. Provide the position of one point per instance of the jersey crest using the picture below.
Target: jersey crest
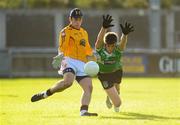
(83, 42)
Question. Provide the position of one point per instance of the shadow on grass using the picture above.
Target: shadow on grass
(10, 95)
(138, 116)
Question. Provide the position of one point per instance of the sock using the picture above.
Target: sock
(44, 94)
(47, 93)
(116, 109)
(83, 109)
(82, 112)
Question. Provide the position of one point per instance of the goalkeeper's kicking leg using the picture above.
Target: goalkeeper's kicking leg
(84, 81)
(58, 87)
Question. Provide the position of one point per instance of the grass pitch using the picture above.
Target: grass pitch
(146, 101)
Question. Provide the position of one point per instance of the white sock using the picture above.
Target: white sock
(116, 109)
(82, 112)
(44, 94)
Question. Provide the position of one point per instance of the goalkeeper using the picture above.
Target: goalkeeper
(109, 50)
(74, 50)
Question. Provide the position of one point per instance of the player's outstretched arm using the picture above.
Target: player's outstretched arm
(107, 19)
(126, 29)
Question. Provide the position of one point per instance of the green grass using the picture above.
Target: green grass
(146, 101)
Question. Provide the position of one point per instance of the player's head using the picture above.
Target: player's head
(76, 13)
(110, 40)
(75, 18)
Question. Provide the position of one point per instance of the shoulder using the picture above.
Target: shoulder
(118, 49)
(65, 31)
(82, 29)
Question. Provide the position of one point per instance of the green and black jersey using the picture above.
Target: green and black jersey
(109, 62)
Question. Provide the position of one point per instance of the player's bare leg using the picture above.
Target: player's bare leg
(116, 109)
(66, 83)
(58, 87)
(113, 95)
(117, 87)
(108, 102)
(86, 85)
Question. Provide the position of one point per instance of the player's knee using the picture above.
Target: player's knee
(68, 81)
(67, 84)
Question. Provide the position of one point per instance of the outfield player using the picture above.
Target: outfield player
(110, 51)
(74, 48)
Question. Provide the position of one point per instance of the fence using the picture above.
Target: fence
(29, 40)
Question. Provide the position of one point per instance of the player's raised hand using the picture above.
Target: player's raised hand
(107, 19)
(127, 28)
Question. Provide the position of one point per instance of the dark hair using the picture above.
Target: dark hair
(110, 38)
(76, 13)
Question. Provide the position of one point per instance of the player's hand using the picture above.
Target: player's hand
(56, 63)
(127, 28)
(97, 57)
(107, 21)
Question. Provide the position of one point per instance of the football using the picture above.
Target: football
(91, 68)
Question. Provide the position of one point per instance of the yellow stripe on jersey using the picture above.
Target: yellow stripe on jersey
(74, 43)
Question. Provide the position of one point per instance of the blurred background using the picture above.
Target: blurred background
(29, 31)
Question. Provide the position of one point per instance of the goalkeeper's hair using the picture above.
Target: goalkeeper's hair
(110, 38)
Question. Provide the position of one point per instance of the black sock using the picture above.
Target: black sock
(84, 107)
(48, 92)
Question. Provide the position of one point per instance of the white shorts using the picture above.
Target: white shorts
(76, 65)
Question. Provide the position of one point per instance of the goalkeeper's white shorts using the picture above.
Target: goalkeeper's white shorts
(76, 65)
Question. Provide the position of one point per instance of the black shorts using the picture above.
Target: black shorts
(78, 78)
(109, 79)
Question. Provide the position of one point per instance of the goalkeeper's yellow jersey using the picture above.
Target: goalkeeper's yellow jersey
(74, 43)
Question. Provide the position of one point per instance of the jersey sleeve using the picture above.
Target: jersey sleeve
(99, 50)
(63, 40)
(89, 50)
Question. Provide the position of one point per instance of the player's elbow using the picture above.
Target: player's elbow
(122, 48)
(97, 46)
